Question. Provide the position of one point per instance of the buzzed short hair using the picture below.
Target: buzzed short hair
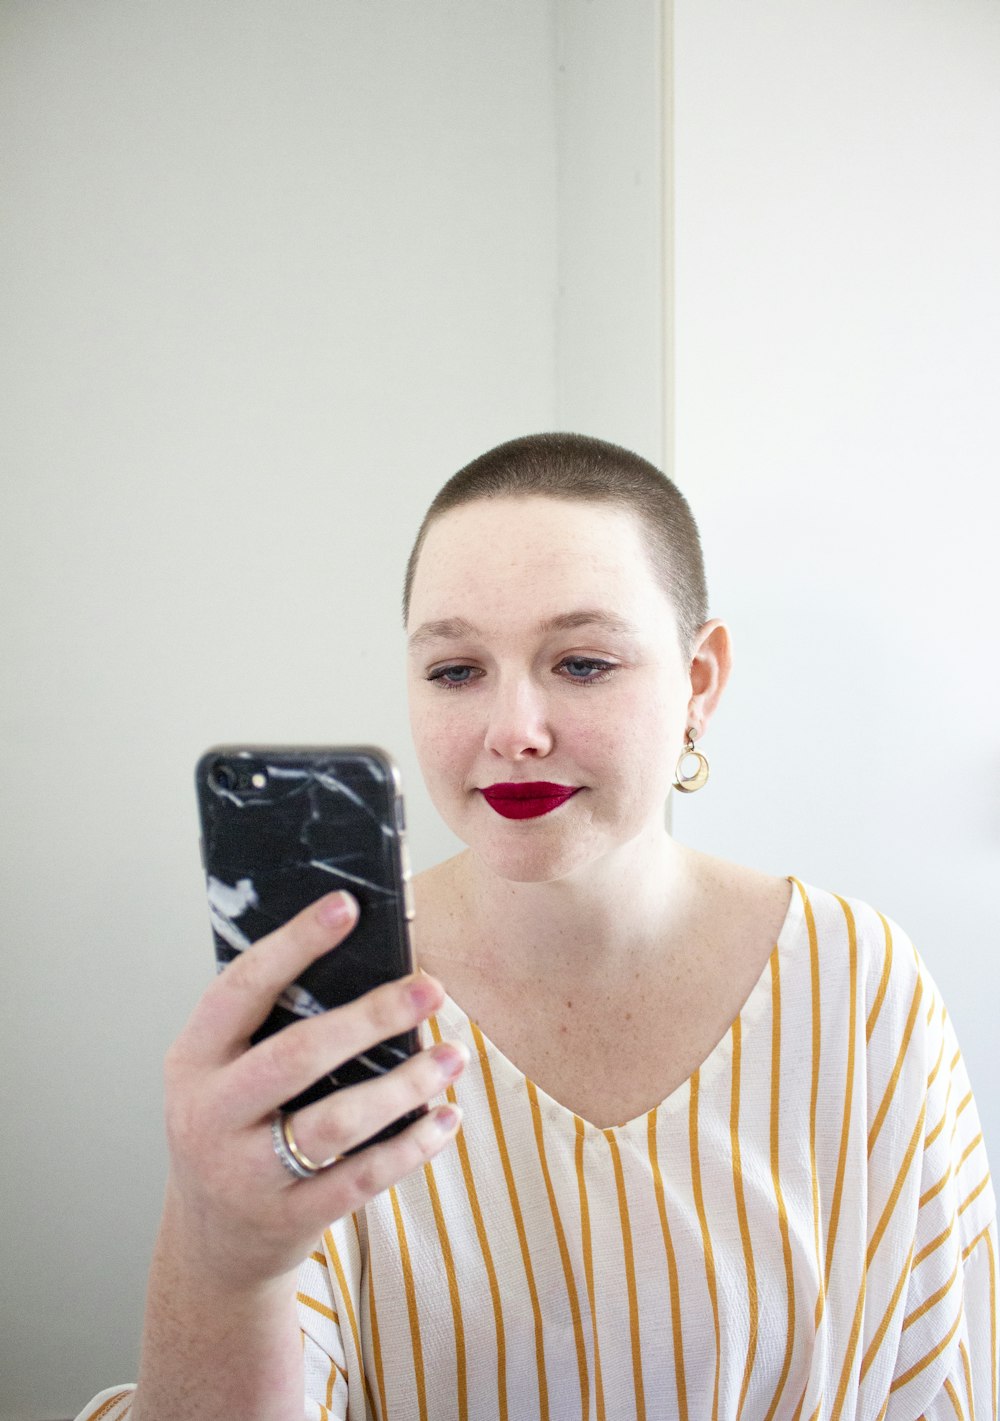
(584, 470)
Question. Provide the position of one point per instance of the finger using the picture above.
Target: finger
(349, 1117)
(283, 1065)
(350, 1183)
(242, 995)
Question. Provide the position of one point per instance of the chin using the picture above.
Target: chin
(521, 855)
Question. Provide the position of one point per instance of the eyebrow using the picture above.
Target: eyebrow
(455, 628)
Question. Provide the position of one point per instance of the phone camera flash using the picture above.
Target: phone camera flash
(258, 780)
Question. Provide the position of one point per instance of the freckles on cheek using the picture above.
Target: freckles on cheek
(437, 748)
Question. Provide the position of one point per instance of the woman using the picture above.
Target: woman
(718, 1155)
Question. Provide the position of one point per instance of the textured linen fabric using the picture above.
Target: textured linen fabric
(806, 1228)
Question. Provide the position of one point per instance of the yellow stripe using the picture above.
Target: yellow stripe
(975, 1193)
(983, 1233)
(937, 1066)
(336, 1370)
(968, 1150)
(931, 1356)
(786, 1247)
(741, 1213)
(883, 1224)
(934, 1244)
(852, 1347)
(968, 1380)
(107, 1405)
(935, 1189)
(941, 1123)
(411, 1307)
(338, 1268)
(883, 985)
(319, 1307)
(706, 1237)
(890, 1312)
(319, 1258)
(817, 1037)
(574, 1301)
(953, 1398)
(668, 1243)
(885, 1408)
(484, 1246)
(930, 1302)
(845, 1130)
(456, 1304)
(904, 1046)
(966, 1100)
(369, 1283)
(893, 1199)
(588, 1264)
(633, 1307)
(543, 1389)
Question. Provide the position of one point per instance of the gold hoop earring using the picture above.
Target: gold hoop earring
(687, 784)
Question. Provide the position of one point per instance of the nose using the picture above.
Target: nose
(518, 725)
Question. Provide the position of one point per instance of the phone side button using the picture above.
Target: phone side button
(408, 900)
(400, 816)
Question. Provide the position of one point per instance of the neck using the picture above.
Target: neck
(621, 914)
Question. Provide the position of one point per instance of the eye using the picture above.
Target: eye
(453, 676)
(588, 670)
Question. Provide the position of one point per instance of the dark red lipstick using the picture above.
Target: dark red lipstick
(527, 800)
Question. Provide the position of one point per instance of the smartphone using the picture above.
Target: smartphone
(281, 826)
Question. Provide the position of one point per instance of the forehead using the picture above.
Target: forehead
(505, 558)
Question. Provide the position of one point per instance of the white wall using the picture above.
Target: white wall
(838, 430)
(271, 272)
(610, 316)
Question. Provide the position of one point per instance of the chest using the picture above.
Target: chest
(607, 1056)
(560, 1271)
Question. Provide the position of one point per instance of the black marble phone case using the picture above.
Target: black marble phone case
(280, 828)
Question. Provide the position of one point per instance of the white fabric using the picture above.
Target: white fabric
(805, 1228)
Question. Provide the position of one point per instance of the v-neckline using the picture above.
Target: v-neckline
(717, 1059)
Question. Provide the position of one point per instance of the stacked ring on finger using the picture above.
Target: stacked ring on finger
(288, 1152)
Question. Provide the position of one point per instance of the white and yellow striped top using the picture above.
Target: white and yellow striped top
(806, 1228)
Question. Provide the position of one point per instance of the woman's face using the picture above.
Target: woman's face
(544, 655)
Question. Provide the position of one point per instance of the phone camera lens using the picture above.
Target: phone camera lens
(222, 777)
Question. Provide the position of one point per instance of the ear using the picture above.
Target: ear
(711, 663)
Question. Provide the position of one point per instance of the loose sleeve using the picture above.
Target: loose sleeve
(970, 1388)
(946, 1359)
(322, 1346)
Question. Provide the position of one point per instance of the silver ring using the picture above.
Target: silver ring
(288, 1152)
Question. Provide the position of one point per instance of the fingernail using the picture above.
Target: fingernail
(336, 910)
(450, 1057)
(447, 1119)
(423, 992)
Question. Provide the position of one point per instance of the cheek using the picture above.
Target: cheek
(438, 737)
(633, 727)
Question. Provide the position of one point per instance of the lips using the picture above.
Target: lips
(527, 800)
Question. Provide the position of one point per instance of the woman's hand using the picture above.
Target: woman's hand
(236, 1216)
